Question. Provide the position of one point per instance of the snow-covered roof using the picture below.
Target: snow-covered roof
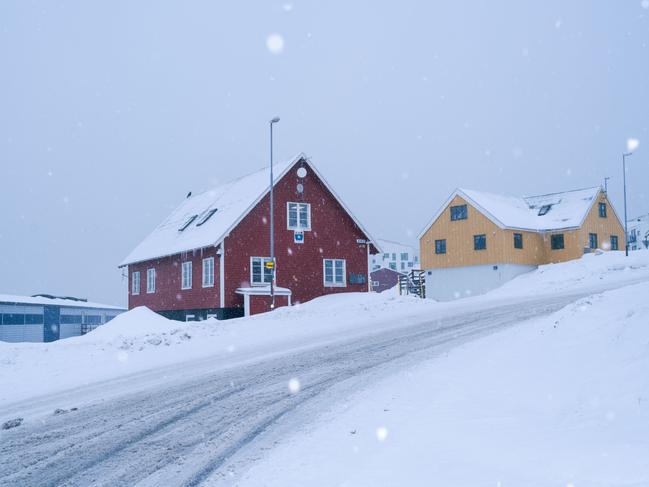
(209, 217)
(549, 212)
(390, 246)
(41, 300)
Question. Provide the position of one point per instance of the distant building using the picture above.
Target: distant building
(396, 256)
(210, 257)
(45, 318)
(639, 232)
(476, 240)
(384, 279)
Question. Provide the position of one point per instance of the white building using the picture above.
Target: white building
(639, 232)
(396, 256)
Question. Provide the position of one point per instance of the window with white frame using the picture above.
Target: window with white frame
(298, 216)
(260, 275)
(334, 272)
(150, 281)
(135, 282)
(208, 272)
(186, 275)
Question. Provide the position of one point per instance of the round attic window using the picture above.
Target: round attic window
(301, 172)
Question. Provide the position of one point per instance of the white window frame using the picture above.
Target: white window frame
(333, 264)
(186, 274)
(135, 283)
(208, 277)
(150, 280)
(263, 261)
(298, 226)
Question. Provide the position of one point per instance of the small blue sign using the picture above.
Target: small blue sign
(298, 237)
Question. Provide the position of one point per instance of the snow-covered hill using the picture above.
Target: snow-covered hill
(141, 340)
(559, 401)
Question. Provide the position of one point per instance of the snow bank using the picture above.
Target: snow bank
(141, 340)
(591, 272)
(560, 401)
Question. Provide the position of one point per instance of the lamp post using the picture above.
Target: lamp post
(272, 221)
(631, 145)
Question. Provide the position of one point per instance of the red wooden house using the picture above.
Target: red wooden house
(209, 257)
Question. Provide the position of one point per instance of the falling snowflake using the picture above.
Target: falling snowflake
(275, 43)
(294, 385)
(264, 220)
(381, 433)
(632, 143)
(645, 4)
(287, 7)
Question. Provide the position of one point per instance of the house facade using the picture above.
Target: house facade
(639, 232)
(477, 241)
(396, 256)
(383, 279)
(211, 256)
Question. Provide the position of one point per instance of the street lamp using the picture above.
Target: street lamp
(272, 221)
(631, 145)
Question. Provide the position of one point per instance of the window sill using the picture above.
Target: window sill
(207, 285)
(335, 285)
(299, 229)
(185, 288)
(260, 284)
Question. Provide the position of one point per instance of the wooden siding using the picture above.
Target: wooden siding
(500, 242)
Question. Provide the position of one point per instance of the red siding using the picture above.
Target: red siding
(333, 235)
(168, 294)
(299, 266)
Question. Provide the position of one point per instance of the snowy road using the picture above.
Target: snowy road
(207, 427)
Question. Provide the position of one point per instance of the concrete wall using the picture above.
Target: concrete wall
(445, 284)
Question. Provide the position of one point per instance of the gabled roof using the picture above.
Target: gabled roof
(565, 210)
(232, 202)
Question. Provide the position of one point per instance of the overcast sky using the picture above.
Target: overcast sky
(110, 112)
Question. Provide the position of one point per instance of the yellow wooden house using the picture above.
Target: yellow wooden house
(477, 240)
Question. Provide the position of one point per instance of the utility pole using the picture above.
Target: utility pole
(272, 221)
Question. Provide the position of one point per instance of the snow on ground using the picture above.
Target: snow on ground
(562, 400)
(141, 340)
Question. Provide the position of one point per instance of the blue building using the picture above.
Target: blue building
(45, 318)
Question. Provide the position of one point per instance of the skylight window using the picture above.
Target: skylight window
(188, 222)
(544, 209)
(207, 216)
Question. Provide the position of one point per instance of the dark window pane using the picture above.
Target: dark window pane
(33, 319)
(614, 243)
(479, 242)
(602, 210)
(440, 246)
(592, 240)
(556, 241)
(13, 319)
(458, 212)
(518, 240)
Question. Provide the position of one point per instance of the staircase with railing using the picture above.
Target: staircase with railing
(413, 282)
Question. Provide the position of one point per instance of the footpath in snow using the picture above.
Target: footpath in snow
(140, 340)
(558, 401)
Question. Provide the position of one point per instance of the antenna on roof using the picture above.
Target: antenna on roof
(606, 184)
(189, 194)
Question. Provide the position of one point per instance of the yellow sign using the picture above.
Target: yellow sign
(269, 264)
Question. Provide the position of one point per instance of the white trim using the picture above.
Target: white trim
(210, 282)
(333, 267)
(221, 255)
(150, 289)
(135, 290)
(297, 227)
(263, 282)
(190, 273)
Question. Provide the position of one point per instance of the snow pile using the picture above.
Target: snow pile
(590, 272)
(563, 400)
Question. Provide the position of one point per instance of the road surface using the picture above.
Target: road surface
(204, 428)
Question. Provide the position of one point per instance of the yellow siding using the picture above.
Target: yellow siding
(500, 243)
